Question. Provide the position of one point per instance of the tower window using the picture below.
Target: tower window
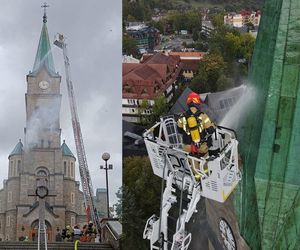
(72, 170)
(49, 144)
(11, 168)
(9, 196)
(42, 143)
(72, 198)
(65, 167)
(72, 221)
(19, 166)
(14, 169)
(8, 221)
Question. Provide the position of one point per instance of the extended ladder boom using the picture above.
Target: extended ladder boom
(83, 166)
(213, 176)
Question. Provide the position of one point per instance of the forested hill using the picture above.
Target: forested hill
(239, 4)
(142, 10)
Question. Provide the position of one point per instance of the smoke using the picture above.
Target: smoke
(241, 107)
(42, 124)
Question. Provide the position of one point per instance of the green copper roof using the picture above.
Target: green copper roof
(65, 150)
(43, 56)
(269, 202)
(18, 150)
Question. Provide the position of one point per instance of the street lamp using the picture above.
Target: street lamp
(106, 157)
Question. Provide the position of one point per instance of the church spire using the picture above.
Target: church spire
(43, 56)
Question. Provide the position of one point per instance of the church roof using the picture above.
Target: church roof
(18, 150)
(44, 56)
(65, 150)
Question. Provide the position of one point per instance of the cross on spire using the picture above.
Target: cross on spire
(45, 14)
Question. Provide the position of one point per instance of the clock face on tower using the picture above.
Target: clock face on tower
(44, 85)
(227, 235)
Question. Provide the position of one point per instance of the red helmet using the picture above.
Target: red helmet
(193, 98)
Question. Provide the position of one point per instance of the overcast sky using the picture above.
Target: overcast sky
(93, 31)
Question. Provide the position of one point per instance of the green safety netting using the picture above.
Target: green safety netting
(268, 200)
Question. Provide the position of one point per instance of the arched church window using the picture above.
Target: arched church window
(9, 196)
(72, 169)
(10, 171)
(8, 221)
(65, 167)
(72, 221)
(19, 166)
(72, 198)
(42, 173)
(15, 169)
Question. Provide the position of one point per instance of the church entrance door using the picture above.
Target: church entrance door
(34, 231)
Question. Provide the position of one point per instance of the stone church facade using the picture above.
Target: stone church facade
(41, 154)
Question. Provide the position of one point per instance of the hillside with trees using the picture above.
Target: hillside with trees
(142, 10)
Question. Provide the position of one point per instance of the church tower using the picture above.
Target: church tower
(41, 155)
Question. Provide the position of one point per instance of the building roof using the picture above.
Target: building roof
(65, 150)
(44, 56)
(188, 55)
(159, 58)
(190, 65)
(127, 67)
(151, 77)
(18, 150)
(222, 102)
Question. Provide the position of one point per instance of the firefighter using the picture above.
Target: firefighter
(91, 231)
(197, 128)
(69, 234)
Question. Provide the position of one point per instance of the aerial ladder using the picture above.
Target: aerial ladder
(85, 177)
(212, 176)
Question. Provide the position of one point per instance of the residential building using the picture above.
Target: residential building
(190, 62)
(243, 18)
(145, 37)
(207, 27)
(155, 75)
(101, 202)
